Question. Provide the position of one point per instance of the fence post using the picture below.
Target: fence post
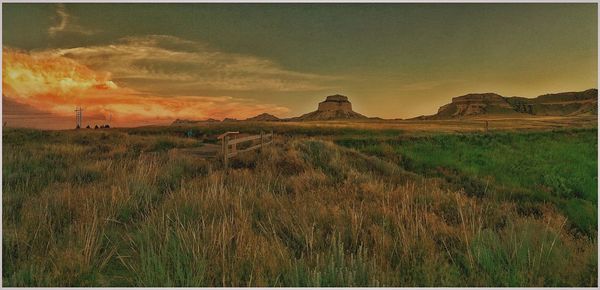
(262, 140)
(233, 146)
(225, 145)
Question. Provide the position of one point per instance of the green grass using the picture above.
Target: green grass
(531, 168)
(118, 208)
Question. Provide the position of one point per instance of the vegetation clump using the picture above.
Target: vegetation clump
(118, 208)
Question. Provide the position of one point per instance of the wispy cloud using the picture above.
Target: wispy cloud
(64, 24)
(173, 65)
(153, 78)
(57, 84)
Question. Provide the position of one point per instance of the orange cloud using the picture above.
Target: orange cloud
(58, 84)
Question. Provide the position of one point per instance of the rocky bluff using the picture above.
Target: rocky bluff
(584, 103)
(334, 107)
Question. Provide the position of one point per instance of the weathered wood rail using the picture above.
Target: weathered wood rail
(229, 144)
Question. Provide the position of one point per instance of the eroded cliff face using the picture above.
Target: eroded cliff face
(333, 108)
(334, 103)
(475, 104)
(561, 104)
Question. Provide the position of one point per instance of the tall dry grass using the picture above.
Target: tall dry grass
(112, 209)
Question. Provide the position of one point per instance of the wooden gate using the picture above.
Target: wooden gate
(229, 143)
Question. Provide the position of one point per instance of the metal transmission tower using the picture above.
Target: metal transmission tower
(78, 117)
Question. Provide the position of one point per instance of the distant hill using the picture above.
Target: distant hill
(336, 107)
(189, 122)
(560, 104)
(263, 117)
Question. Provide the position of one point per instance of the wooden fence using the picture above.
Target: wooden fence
(229, 143)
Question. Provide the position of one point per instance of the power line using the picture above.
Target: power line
(24, 113)
(50, 116)
(33, 117)
(78, 116)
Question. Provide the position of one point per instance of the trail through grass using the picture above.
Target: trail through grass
(111, 208)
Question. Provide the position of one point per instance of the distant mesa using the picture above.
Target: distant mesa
(336, 107)
(583, 103)
(264, 117)
(476, 104)
(335, 103)
(560, 104)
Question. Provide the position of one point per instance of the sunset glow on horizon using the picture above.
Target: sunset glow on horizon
(45, 81)
(154, 63)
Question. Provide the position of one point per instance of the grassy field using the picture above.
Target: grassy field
(322, 206)
(529, 168)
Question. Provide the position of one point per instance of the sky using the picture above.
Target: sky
(153, 63)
